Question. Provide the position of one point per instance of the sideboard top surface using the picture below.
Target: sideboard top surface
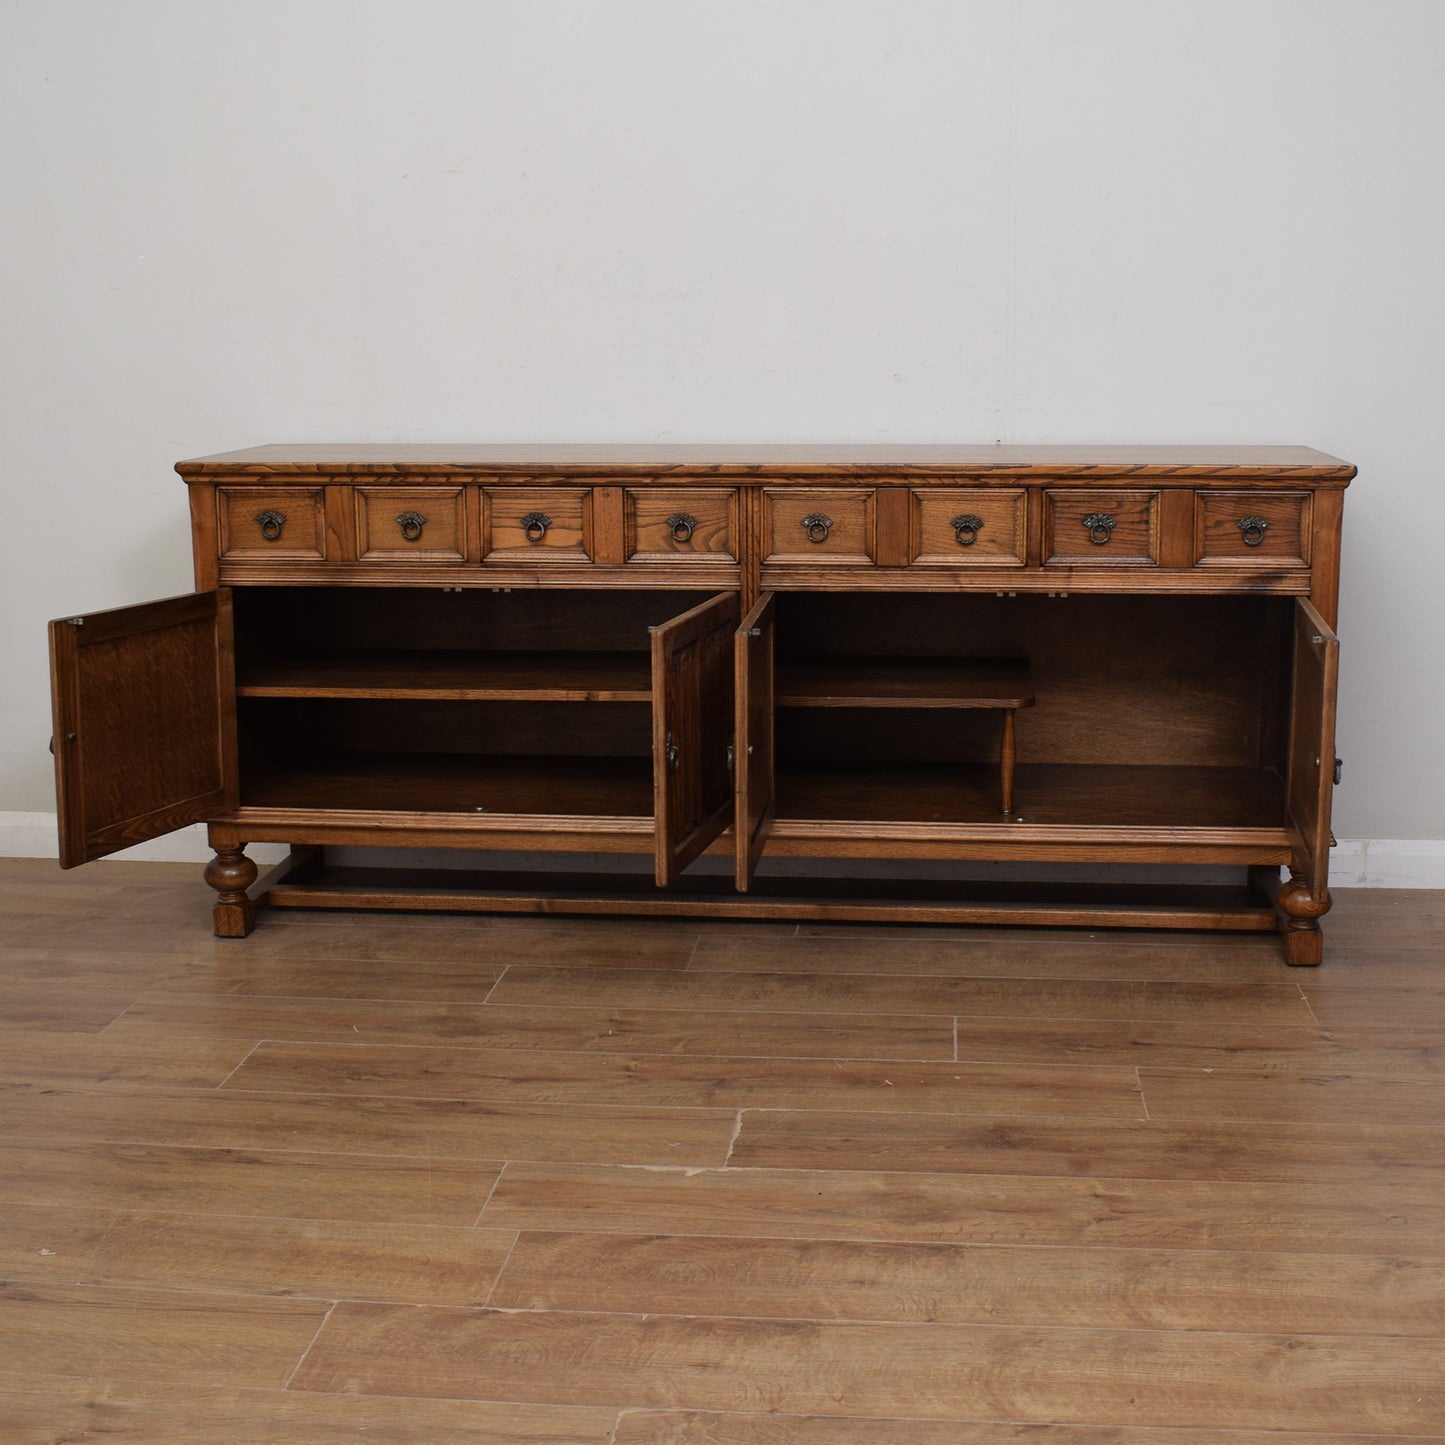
(325, 459)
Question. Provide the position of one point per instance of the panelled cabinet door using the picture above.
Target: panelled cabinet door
(144, 712)
(692, 717)
(753, 733)
(1312, 742)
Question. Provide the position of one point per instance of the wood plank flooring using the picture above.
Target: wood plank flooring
(419, 1180)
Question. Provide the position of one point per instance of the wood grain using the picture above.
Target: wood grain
(882, 994)
(155, 1334)
(973, 1208)
(1097, 1148)
(297, 1183)
(652, 1030)
(325, 1259)
(43, 1411)
(695, 1081)
(1093, 1376)
(698, 1427)
(234, 1119)
(1149, 1289)
(1295, 1099)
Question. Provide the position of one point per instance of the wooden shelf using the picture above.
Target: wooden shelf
(1046, 795)
(905, 682)
(606, 787)
(457, 676)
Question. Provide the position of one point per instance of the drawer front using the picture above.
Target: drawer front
(958, 527)
(823, 525)
(272, 522)
(541, 525)
(422, 524)
(665, 524)
(1252, 529)
(1101, 529)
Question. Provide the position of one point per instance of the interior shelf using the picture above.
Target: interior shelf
(609, 787)
(1062, 795)
(456, 676)
(904, 682)
(1046, 794)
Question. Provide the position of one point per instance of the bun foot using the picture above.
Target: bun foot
(1300, 913)
(231, 873)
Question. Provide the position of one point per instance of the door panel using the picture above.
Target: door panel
(753, 768)
(143, 701)
(692, 718)
(1312, 743)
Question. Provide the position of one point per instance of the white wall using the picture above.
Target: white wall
(853, 220)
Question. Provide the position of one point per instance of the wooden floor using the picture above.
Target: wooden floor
(440, 1179)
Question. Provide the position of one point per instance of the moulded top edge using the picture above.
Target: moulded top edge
(743, 461)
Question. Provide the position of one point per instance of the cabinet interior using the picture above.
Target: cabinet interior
(1149, 710)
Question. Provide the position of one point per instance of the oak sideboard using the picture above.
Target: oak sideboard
(962, 656)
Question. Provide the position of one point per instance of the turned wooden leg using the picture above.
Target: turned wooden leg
(1301, 911)
(231, 873)
(1006, 753)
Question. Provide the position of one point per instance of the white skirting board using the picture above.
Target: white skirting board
(1355, 862)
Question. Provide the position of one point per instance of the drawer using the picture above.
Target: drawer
(1252, 529)
(1101, 529)
(260, 522)
(823, 525)
(958, 527)
(538, 524)
(425, 524)
(666, 524)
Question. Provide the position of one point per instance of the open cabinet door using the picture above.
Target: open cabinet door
(1312, 747)
(753, 729)
(692, 718)
(144, 711)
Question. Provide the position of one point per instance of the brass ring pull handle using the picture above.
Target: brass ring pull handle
(966, 529)
(534, 526)
(817, 526)
(1100, 527)
(411, 524)
(681, 526)
(1253, 530)
(271, 523)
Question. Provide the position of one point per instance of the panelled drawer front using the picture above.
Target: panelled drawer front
(961, 527)
(1101, 528)
(665, 524)
(1252, 529)
(422, 524)
(540, 525)
(272, 522)
(822, 525)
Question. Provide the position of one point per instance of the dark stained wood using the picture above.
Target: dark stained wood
(904, 682)
(754, 739)
(1244, 529)
(664, 460)
(473, 677)
(543, 786)
(1305, 897)
(395, 693)
(144, 722)
(1126, 533)
(692, 714)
